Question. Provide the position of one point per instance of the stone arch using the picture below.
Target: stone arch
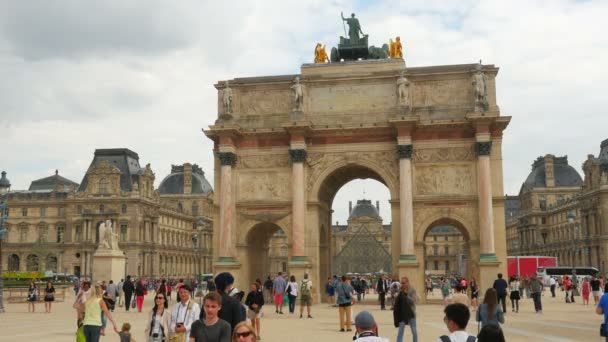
(256, 242)
(465, 227)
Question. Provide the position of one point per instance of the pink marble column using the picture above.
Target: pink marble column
(406, 207)
(225, 252)
(298, 156)
(484, 183)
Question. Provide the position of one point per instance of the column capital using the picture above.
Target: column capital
(483, 148)
(298, 155)
(227, 158)
(405, 151)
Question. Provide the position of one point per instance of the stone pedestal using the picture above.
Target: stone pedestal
(488, 271)
(299, 266)
(108, 265)
(411, 270)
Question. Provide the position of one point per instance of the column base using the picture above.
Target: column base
(226, 262)
(411, 269)
(407, 259)
(299, 260)
(488, 257)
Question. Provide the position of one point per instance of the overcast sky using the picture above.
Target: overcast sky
(80, 75)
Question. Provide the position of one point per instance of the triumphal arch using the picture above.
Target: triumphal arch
(284, 145)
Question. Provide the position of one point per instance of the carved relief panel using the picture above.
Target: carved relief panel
(263, 101)
(264, 186)
(444, 180)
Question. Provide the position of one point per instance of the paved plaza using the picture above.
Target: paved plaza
(558, 322)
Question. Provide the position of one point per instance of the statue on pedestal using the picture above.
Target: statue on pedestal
(107, 238)
(320, 54)
(298, 96)
(396, 49)
(479, 87)
(354, 28)
(227, 99)
(403, 91)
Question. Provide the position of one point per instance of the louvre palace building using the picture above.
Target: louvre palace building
(163, 232)
(559, 213)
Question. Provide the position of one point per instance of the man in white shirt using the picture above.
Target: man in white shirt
(456, 319)
(184, 313)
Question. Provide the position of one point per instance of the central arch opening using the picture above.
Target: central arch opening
(355, 225)
(267, 246)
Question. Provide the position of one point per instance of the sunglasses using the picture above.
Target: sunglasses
(160, 297)
(243, 334)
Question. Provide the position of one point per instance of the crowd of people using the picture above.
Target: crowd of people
(226, 314)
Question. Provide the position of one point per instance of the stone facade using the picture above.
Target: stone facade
(351, 126)
(563, 215)
(54, 225)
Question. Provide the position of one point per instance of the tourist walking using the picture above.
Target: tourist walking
(445, 290)
(394, 289)
(231, 310)
(536, 289)
(243, 332)
(366, 328)
(121, 294)
(93, 309)
(32, 297)
(305, 295)
(330, 291)
(500, 285)
(474, 293)
(158, 325)
(268, 290)
(184, 313)
(211, 328)
(49, 296)
(255, 302)
(112, 291)
(456, 320)
(382, 288)
(278, 291)
(125, 333)
(128, 289)
(602, 309)
(552, 283)
(140, 292)
(404, 310)
(344, 293)
(585, 291)
(489, 312)
(514, 293)
(292, 293)
(595, 289)
(428, 286)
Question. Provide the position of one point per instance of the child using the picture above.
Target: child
(125, 333)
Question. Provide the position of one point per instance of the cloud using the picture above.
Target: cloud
(80, 75)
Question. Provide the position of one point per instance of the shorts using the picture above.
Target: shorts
(253, 315)
(597, 293)
(305, 300)
(278, 298)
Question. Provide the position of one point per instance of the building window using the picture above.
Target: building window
(101, 208)
(543, 220)
(24, 212)
(103, 186)
(194, 209)
(435, 250)
(23, 233)
(124, 209)
(447, 266)
(13, 262)
(123, 232)
(51, 263)
(447, 250)
(61, 211)
(180, 207)
(32, 263)
(78, 236)
(446, 238)
(436, 264)
(42, 212)
(42, 232)
(435, 238)
(79, 209)
(60, 232)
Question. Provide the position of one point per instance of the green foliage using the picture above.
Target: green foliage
(22, 275)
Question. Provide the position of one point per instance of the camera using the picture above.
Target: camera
(179, 325)
(155, 335)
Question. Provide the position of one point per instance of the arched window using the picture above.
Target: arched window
(32, 263)
(103, 186)
(13, 262)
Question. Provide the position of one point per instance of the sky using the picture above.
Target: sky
(81, 75)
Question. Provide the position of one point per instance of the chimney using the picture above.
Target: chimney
(187, 178)
(549, 171)
(378, 206)
(350, 207)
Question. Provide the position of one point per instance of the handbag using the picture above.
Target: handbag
(603, 330)
(133, 303)
(80, 334)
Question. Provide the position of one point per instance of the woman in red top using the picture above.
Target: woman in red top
(586, 289)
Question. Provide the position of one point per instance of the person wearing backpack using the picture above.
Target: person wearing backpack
(456, 319)
(305, 295)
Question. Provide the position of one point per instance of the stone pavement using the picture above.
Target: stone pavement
(558, 322)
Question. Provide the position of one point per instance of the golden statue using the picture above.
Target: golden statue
(320, 54)
(395, 48)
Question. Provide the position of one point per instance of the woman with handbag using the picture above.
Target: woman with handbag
(255, 301)
(157, 329)
(93, 308)
(292, 293)
(49, 296)
(32, 297)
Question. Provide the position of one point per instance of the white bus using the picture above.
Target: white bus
(558, 272)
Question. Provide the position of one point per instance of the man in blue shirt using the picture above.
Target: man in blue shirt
(602, 309)
(278, 291)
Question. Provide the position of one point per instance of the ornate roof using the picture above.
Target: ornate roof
(364, 208)
(52, 183)
(174, 182)
(124, 160)
(565, 175)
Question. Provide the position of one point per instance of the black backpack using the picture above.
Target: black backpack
(445, 338)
